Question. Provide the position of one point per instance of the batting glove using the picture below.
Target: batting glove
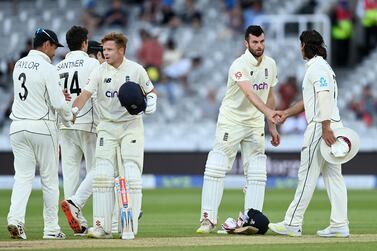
(151, 103)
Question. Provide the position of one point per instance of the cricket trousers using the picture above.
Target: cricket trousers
(31, 150)
(311, 166)
(74, 145)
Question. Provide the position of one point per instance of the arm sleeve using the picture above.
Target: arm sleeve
(238, 73)
(324, 103)
(321, 80)
(144, 81)
(55, 94)
(92, 83)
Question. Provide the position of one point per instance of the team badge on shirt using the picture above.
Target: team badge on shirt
(322, 82)
(107, 80)
(251, 73)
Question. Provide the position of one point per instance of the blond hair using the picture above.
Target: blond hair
(119, 38)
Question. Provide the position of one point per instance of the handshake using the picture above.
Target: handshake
(276, 117)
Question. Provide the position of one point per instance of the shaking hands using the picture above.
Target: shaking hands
(276, 117)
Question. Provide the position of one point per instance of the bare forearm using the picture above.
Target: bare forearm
(81, 99)
(325, 124)
(295, 109)
(271, 104)
(253, 98)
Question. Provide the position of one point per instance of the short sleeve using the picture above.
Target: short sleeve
(321, 80)
(92, 83)
(237, 72)
(144, 80)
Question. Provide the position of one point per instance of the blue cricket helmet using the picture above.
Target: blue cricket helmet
(132, 97)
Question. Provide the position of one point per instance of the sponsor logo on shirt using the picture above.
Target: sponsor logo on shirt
(260, 86)
(107, 80)
(266, 73)
(111, 94)
(128, 79)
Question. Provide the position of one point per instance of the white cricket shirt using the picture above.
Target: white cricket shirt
(106, 81)
(319, 76)
(235, 106)
(36, 91)
(74, 72)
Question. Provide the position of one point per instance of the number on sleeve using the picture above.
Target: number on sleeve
(22, 77)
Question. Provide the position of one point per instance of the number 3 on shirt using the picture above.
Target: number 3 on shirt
(22, 77)
(74, 87)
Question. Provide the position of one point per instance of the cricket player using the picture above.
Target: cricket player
(116, 128)
(95, 50)
(249, 97)
(79, 140)
(320, 93)
(34, 135)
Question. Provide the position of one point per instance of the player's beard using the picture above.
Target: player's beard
(256, 53)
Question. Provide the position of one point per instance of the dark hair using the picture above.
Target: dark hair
(254, 30)
(75, 37)
(313, 44)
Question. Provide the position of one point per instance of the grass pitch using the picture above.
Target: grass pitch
(171, 218)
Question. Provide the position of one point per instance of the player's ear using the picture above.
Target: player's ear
(122, 50)
(245, 43)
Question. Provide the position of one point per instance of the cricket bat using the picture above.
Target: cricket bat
(125, 207)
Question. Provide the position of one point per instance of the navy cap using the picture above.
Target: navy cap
(43, 35)
(132, 97)
(94, 47)
(258, 220)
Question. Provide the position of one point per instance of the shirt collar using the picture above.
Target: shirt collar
(250, 58)
(76, 53)
(41, 54)
(312, 61)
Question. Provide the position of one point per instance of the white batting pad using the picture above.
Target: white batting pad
(213, 184)
(256, 182)
(103, 194)
(212, 194)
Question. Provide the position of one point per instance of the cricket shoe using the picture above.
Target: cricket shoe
(72, 213)
(55, 236)
(83, 224)
(206, 227)
(98, 233)
(284, 229)
(17, 231)
(340, 232)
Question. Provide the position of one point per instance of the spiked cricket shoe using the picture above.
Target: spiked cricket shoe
(17, 231)
(284, 229)
(340, 232)
(206, 227)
